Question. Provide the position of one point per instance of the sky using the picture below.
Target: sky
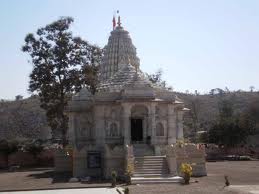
(199, 44)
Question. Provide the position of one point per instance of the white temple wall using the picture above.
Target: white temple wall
(172, 124)
(99, 124)
(113, 125)
(179, 130)
(81, 168)
(71, 129)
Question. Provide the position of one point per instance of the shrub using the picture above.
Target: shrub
(126, 190)
(245, 158)
(34, 147)
(129, 173)
(8, 147)
(114, 178)
(186, 170)
(182, 142)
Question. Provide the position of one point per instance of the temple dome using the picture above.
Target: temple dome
(130, 83)
(84, 94)
(119, 50)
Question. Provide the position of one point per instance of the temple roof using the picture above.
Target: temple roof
(119, 50)
(127, 77)
(84, 94)
(121, 77)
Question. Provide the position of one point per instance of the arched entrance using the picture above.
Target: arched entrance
(138, 115)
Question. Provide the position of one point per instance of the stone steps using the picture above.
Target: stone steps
(150, 166)
(149, 175)
(150, 169)
(152, 180)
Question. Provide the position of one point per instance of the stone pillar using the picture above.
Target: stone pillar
(126, 122)
(171, 126)
(152, 114)
(179, 124)
(99, 125)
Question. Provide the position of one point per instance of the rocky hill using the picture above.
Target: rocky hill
(23, 118)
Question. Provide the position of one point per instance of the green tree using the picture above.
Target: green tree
(230, 130)
(60, 66)
(35, 147)
(8, 147)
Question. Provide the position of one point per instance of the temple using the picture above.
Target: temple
(128, 120)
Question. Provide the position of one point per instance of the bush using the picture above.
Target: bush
(129, 173)
(186, 170)
(8, 147)
(244, 158)
(34, 147)
(114, 178)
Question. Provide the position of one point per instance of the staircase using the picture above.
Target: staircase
(149, 168)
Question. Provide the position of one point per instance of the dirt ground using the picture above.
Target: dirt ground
(239, 173)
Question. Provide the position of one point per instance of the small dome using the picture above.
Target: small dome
(84, 94)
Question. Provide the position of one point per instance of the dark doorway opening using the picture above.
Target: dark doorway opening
(136, 130)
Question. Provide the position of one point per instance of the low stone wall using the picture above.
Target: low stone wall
(171, 160)
(189, 153)
(3, 162)
(46, 157)
(22, 159)
(129, 157)
(114, 158)
(80, 166)
(26, 159)
(214, 152)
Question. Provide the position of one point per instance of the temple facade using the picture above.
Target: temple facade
(128, 117)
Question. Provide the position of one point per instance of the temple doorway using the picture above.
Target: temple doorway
(136, 130)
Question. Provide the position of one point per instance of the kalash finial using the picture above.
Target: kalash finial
(113, 22)
(119, 19)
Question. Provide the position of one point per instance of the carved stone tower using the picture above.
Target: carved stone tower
(118, 52)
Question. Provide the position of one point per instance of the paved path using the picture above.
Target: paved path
(245, 189)
(68, 191)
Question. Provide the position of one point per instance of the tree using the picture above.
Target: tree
(156, 78)
(230, 130)
(7, 147)
(59, 62)
(195, 115)
(35, 147)
(252, 88)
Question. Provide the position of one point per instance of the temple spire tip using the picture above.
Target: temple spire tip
(119, 19)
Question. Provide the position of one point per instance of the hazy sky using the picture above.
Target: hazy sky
(199, 44)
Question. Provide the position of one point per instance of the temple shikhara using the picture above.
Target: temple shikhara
(129, 120)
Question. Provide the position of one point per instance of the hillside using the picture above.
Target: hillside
(204, 109)
(25, 118)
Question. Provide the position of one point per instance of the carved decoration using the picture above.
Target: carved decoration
(83, 127)
(160, 129)
(113, 130)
